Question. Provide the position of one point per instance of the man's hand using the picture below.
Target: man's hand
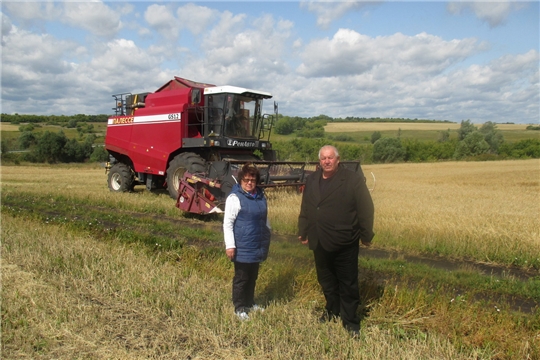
(304, 242)
(367, 244)
(230, 253)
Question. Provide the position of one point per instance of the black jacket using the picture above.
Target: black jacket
(342, 216)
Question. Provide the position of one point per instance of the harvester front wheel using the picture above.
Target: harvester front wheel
(178, 166)
(120, 178)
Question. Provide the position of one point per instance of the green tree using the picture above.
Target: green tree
(375, 136)
(492, 136)
(444, 136)
(387, 150)
(72, 123)
(28, 127)
(3, 147)
(465, 129)
(418, 151)
(312, 133)
(342, 137)
(523, 149)
(26, 139)
(299, 149)
(73, 151)
(49, 147)
(99, 154)
(284, 126)
(298, 122)
(474, 144)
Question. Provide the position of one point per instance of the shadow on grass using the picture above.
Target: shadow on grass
(371, 291)
(281, 287)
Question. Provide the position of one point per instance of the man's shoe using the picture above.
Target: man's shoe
(242, 315)
(327, 317)
(355, 334)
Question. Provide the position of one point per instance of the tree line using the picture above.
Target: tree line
(50, 147)
(78, 118)
(472, 143)
(16, 119)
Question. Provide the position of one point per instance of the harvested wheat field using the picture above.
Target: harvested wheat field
(390, 126)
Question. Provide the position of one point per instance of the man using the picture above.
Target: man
(335, 215)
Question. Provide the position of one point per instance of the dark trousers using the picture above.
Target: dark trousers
(337, 273)
(243, 287)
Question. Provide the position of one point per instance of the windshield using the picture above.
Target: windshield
(242, 116)
(234, 115)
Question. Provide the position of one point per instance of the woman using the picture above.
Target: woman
(247, 237)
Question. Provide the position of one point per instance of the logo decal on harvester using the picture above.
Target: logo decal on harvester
(122, 120)
(145, 120)
(240, 143)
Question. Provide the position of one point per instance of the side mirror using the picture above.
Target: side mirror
(195, 96)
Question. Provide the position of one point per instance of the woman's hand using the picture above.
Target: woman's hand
(230, 253)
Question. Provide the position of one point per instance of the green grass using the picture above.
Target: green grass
(154, 230)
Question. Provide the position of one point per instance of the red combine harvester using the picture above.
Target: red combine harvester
(192, 138)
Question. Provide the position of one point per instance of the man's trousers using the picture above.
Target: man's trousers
(337, 273)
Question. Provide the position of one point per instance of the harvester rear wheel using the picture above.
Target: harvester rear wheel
(177, 167)
(120, 178)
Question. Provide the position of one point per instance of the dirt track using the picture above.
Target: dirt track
(518, 304)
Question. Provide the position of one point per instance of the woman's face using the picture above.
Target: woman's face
(248, 183)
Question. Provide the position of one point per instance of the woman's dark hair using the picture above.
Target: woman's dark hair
(249, 169)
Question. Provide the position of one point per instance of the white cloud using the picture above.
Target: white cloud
(33, 70)
(26, 11)
(124, 57)
(329, 11)
(161, 18)
(418, 76)
(6, 26)
(350, 53)
(241, 54)
(39, 54)
(39, 73)
(196, 18)
(494, 13)
(95, 17)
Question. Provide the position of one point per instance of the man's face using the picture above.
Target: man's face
(329, 161)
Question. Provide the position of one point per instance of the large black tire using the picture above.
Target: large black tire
(177, 167)
(121, 178)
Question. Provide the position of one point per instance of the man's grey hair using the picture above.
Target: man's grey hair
(336, 152)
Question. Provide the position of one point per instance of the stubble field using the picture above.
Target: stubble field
(91, 274)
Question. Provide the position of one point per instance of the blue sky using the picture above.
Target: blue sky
(428, 60)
